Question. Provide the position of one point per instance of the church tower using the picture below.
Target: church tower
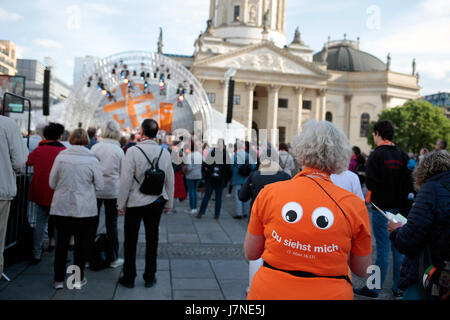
(246, 22)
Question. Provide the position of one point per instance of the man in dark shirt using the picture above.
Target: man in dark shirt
(389, 183)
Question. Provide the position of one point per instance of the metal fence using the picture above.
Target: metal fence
(16, 234)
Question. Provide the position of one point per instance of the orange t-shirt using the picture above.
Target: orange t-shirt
(305, 230)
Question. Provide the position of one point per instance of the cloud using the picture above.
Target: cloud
(47, 43)
(421, 33)
(101, 9)
(6, 16)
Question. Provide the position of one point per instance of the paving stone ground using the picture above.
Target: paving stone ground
(198, 259)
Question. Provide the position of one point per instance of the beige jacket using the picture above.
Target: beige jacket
(75, 176)
(13, 156)
(135, 165)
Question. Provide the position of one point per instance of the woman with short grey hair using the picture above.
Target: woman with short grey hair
(309, 232)
(111, 156)
(322, 146)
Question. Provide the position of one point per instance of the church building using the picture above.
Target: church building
(281, 84)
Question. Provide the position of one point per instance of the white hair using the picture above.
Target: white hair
(40, 128)
(323, 146)
(111, 130)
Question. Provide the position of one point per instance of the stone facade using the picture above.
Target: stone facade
(281, 86)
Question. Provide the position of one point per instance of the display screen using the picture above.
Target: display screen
(15, 85)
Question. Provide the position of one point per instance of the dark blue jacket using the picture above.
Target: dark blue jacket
(428, 223)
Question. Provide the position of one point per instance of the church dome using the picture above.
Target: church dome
(346, 56)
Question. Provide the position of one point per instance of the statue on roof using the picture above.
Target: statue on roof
(325, 54)
(160, 41)
(414, 66)
(388, 64)
(266, 21)
(297, 37)
(209, 28)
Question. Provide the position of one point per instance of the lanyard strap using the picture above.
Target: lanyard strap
(329, 197)
(304, 274)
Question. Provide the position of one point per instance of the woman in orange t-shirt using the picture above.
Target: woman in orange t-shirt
(310, 232)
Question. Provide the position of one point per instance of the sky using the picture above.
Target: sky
(66, 29)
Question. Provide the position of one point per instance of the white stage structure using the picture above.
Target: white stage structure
(91, 106)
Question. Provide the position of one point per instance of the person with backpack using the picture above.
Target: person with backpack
(425, 238)
(146, 191)
(286, 159)
(241, 168)
(216, 171)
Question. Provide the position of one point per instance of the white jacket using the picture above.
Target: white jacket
(75, 176)
(135, 165)
(111, 156)
(13, 157)
(287, 162)
(349, 181)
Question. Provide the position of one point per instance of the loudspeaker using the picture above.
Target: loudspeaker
(230, 101)
(46, 94)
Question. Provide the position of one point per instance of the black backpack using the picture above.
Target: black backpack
(154, 177)
(244, 170)
(101, 253)
(216, 172)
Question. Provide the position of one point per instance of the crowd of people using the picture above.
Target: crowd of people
(312, 208)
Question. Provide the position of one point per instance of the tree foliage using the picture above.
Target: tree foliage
(418, 124)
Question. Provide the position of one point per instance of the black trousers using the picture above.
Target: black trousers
(82, 229)
(151, 215)
(110, 223)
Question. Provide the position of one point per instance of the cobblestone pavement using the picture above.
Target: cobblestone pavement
(198, 259)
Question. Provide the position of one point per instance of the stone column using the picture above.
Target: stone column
(297, 111)
(386, 101)
(348, 112)
(272, 112)
(250, 87)
(322, 93)
(212, 10)
(224, 87)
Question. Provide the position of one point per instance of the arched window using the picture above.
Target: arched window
(329, 116)
(364, 127)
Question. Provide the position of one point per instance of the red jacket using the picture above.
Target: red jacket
(42, 159)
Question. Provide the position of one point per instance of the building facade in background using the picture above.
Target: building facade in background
(440, 99)
(281, 85)
(8, 58)
(33, 71)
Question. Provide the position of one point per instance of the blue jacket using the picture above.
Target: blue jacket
(428, 223)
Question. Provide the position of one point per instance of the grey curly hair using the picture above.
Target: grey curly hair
(323, 146)
(433, 163)
(111, 130)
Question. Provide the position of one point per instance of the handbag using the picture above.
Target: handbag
(154, 177)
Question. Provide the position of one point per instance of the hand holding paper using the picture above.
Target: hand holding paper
(395, 218)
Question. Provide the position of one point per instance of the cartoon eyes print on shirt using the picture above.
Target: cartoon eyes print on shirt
(292, 212)
(322, 218)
